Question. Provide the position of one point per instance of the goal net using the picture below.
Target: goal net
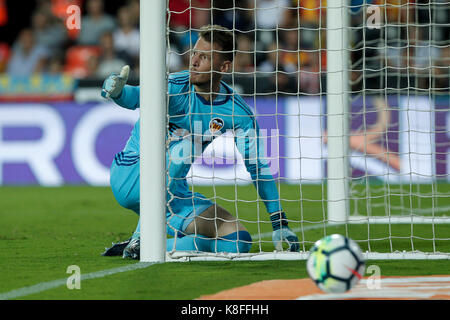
(352, 102)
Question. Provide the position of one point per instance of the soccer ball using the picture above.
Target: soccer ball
(335, 263)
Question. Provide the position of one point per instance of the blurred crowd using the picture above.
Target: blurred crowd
(283, 40)
(101, 44)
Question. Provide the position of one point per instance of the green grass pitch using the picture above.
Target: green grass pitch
(45, 230)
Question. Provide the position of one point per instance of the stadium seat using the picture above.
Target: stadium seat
(78, 59)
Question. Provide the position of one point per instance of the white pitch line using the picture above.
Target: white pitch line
(43, 286)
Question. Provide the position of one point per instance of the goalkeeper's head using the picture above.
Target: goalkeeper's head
(212, 56)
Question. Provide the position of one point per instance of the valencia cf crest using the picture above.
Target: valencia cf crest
(216, 125)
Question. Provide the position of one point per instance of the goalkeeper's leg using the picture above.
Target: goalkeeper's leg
(210, 227)
(124, 181)
(214, 230)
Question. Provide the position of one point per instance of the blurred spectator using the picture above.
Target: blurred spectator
(269, 16)
(55, 65)
(296, 70)
(290, 54)
(3, 13)
(284, 40)
(303, 13)
(27, 57)
(278, 79)
(270, 13)
(184, 12)
(270, 64)
(399, 11)
(309, 16)
(188, 38)
(44, 5)
(185, 18)
(441, 70)
(135, 11)
(422, 52)
(5, 51)
(95, 23)
(283, 83)
(309, 73)
(110, 60)
(126, 36)
(304, 63)
(244, 58)
(179, 16)
(81, 61)
(234, 15)
(183, 42)
(48, 33)
(421, 55)
(412, 51)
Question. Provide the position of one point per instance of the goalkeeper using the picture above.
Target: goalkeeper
(197, 99)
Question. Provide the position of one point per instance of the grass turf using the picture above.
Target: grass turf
(45, 230)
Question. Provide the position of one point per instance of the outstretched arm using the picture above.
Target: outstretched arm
(251, 146)
(115, 87)
(129, 97)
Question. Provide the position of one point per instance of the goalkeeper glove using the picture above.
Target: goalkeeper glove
(113, 85)
(282, 233)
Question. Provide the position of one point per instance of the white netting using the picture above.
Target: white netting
(398, 109)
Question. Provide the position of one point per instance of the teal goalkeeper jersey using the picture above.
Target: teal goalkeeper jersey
(193, 117)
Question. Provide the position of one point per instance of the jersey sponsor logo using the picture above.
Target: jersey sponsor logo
(216, 125)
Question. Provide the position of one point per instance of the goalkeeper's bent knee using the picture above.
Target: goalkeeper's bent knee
(236, 242)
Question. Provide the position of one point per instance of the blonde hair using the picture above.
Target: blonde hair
(221, 36)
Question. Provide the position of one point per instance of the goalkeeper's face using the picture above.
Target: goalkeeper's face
(207, 64)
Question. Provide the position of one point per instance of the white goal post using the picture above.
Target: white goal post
(337, 111)
(353, 98)
(153, 130)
